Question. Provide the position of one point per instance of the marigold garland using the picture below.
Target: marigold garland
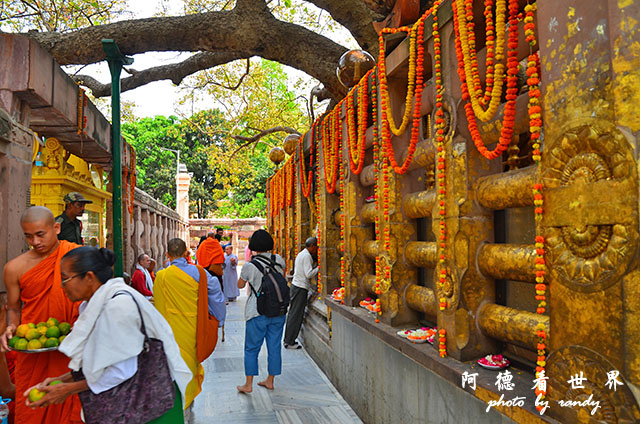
(416, 73)
(411, 79)
(332, 133)
(441, 155)
(494, 76)
(81, 117)
(357, 131)
(318, 220)
(306, 185)
(442, 342)
(535, 124)
(464, 63)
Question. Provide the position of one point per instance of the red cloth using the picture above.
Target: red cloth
(43, 297)
(139, 282)
(11, 366)
(210, 252)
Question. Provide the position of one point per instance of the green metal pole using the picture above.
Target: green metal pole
(116, 60)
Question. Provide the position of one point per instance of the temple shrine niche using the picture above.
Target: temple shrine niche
(56, 172)
(482, 181)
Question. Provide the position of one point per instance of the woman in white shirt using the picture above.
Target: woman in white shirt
(106, 338)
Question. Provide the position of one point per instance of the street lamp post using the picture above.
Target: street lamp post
(177, 152)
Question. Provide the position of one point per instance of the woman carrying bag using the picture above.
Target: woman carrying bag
(126, 366)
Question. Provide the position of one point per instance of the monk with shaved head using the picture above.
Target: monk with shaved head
(34, 291)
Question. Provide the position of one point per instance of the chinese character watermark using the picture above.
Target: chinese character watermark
(503, 381)
(577, 381)
(469, 379)
(612, 380)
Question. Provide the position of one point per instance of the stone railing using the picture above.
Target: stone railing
(152, 226)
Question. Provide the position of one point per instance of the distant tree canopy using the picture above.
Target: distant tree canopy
(211, 183)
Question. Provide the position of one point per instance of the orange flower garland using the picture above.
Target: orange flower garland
(535, 124)
(462, 50)
(332, 133)
(82, 119)
(442, 342)
(411, 79)
(418, 74)
(494, 80)
(306, 185)
(441, 154)
(318, 220)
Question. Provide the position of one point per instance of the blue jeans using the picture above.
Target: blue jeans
(256, 331)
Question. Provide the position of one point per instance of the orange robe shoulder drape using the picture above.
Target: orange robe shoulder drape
(210, 252)
(42, 296)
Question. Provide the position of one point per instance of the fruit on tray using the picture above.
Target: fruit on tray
(35, 395)
(44, 335)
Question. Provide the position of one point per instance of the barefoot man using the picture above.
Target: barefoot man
(33, 281)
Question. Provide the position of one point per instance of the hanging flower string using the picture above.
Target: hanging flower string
(535, 125)
(441, 155)
(442, 342)
(415, 73)
(81, 117)
(466, 63)
(306, 185)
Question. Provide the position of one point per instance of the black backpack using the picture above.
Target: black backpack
(273, 298)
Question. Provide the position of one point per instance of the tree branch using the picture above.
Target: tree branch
(175, 72)
(256, 138)
(246, 32)
(235, 87)
(357, 18)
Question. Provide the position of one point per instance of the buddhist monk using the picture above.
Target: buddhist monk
(34, 291)
(210, 256)
(176, 292)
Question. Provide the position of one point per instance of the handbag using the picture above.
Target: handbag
(207, 324)
(147, 395)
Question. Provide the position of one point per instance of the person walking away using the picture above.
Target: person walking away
(260, 328)
(111, 371)
(230, 275)
(34, 294)
(303, 272)
(70, 225)
(141, 279)
(210, 256)
(193, 303)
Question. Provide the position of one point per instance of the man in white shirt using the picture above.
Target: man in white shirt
(304, 271)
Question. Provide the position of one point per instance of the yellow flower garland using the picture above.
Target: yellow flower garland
(496, 93)
(411, 78)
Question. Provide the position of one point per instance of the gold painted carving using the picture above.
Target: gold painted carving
(449, 289)
(616, 406)
(591, 207)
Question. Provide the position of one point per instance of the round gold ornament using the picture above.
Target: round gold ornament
(276, 155)
(290, 143)
(352, 66)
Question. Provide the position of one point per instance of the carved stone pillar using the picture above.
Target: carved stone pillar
(183, 181)
(589, 171)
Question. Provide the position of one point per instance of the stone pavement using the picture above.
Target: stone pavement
(302, 394)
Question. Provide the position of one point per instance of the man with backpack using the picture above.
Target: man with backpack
(265, 310)
(304, 271)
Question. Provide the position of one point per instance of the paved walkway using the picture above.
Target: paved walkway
(302, 394)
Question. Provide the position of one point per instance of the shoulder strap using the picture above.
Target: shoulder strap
(269, 262)
(142, 327)
(256, 262)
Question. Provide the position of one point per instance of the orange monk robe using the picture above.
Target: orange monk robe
(210, 252)
(43, 297)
